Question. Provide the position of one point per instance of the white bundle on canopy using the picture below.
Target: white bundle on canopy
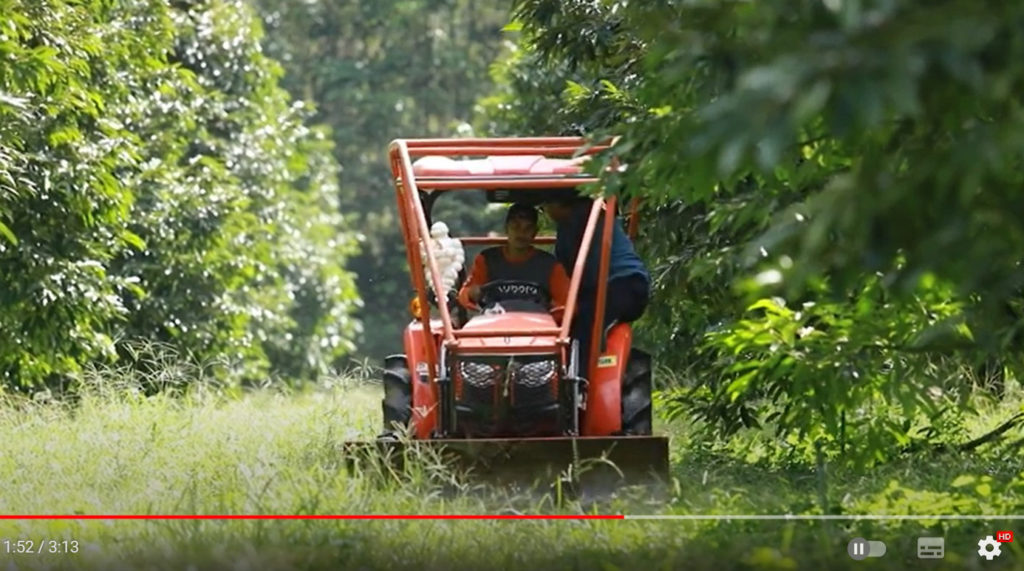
(450, 256)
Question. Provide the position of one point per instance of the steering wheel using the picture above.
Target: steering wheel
(514, 290)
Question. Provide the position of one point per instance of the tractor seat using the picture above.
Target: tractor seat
(500, 165)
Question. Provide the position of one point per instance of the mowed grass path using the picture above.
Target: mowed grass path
(274, 453)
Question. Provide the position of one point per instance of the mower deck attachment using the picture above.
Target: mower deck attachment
(596, 464)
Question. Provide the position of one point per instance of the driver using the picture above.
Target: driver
(518, 260)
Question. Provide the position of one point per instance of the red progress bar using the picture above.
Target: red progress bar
(161, 517)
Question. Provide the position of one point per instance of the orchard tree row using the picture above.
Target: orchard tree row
(831, 199)
(159, 192)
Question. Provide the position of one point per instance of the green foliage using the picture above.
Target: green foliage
(901, 117)
(831, 372)
(853, 159)
(156, 184)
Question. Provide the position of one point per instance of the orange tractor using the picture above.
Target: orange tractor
(505, 390)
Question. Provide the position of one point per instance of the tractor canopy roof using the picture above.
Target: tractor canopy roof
(431, 170)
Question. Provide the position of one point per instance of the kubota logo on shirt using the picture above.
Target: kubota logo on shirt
(518, 289)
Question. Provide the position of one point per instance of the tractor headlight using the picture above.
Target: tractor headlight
(537, 373)
(479, 374)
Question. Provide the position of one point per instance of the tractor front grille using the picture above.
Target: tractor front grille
(531, 374)
(506, 394)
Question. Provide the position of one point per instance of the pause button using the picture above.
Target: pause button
(860, 548)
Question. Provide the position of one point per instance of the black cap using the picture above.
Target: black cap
(573, 130)
(523, 212)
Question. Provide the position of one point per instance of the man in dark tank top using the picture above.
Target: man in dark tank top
(518, 260)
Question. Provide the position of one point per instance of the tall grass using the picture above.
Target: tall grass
(204, 450)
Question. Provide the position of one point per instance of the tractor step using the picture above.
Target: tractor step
(598, 465)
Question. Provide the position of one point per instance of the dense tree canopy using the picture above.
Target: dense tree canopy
(156, 185)
(840, 179)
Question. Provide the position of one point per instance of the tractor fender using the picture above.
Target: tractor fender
(425, 397)
(603, 416)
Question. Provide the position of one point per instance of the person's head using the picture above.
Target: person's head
(562, 208)
(521, 226)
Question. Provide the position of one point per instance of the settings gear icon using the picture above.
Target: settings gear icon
(988, 548)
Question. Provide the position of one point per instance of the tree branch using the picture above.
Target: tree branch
(991, 436)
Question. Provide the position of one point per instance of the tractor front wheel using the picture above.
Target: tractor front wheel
(636, 395)
(397, 402)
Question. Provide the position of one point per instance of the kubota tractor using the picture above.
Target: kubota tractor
(505, 388)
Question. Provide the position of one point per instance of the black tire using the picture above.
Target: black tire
(637, 409)
(397, 402)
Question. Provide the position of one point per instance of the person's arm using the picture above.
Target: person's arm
(568, 239)
(593, 264)
(577, 229)
(562, 246)
(470, 292)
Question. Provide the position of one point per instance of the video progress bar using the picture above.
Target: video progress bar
(665, 517)
(795, 517)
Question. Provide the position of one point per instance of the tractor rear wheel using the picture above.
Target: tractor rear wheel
(636, 395)
(397, 402)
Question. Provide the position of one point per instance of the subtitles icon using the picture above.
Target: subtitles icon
(931, 547)
(860, 548)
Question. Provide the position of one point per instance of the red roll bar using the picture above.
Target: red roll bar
(555, 164)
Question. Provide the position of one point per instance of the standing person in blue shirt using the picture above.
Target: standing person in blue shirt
(629, 282)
